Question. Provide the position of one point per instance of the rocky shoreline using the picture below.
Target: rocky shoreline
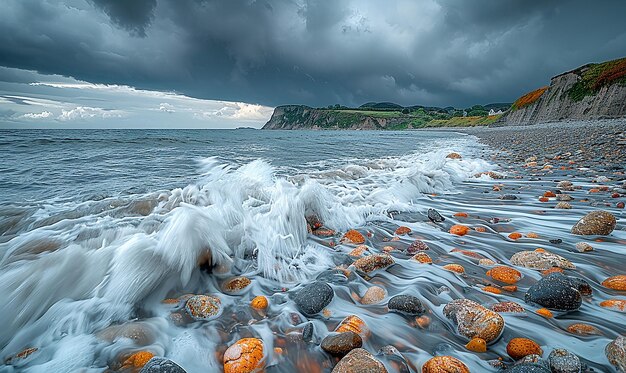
(600, 145)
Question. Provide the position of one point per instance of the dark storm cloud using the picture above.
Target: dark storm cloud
(431, 52)
(134, 15)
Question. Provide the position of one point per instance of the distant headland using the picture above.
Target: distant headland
(590, 92)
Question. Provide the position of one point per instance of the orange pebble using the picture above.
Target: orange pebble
(515, 235)
(480, 229)
(454, 268)
(422, 257)
(583, 329)
(441, 364)
(544, 199)
(521, 347)
(614, 304)
(540, 250)
(423, 321)
(354, 237)
(532, 235)
(403, 230)
(459, 230)
(259, 302)
(594, 190)
(505, 274)
(616, 282)
(138, 359)
(511, 288)
(477, 345)
(244, 356)
(545, 313)
(549, 194)
(461, 214)
(492, 289)
(359, 250)
(354, 324)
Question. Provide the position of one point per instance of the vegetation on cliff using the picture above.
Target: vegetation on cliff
(528, 99)
(596, 76)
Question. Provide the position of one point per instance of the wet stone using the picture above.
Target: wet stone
(435, 216)
(595, 223)
(203, 307)
(416, 246)
(236, 284)
(373, 295)
(313, 297)
(307, 332)
(359, 361)
(342, 343)
(373, 262)
(444, 364)
(540, 260)
(563, 361)
(556, 292)
(407, 304)
(474, 320)
(507, 307)
(161, 365)
(583, 247)
(616, 353)
(508, 197)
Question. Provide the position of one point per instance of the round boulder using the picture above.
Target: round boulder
(313, 297)
(599, 223)
(406, 304)
(563, 361)
(359, 361)
(556, 292)
(342, 343)
(474, 320)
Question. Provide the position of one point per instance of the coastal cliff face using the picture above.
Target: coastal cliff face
(291, 117)
(596, 91)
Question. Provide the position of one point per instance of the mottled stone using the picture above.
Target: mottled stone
(616, 353)
(444, 364)
(556, 292)
(161, 365)
(373, 262)
(359, 361)
(416, 246)
(236, 284)
(518, 348)
(244, 356)
(313, 297)
(507, 307)
(474, 320)
(407, 304)
(540, 260)
(342, 343)
(203, 307)
(563, 361)
(563, 206)
(595, 223)
(527, 368)
(373, 295)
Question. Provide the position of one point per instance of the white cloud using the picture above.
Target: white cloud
(252, 112)
(85, 112)
(168, 108)
(42, 115)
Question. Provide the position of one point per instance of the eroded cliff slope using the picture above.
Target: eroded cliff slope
(594, 91)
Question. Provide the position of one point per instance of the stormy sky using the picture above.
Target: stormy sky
(233, 60)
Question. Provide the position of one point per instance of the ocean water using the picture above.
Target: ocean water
(97, 228)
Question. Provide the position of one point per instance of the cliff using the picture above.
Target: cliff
(303, 117)
(594, 91)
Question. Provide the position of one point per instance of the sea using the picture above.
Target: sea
(98, 228)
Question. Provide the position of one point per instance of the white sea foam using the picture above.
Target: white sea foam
(83, 267)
